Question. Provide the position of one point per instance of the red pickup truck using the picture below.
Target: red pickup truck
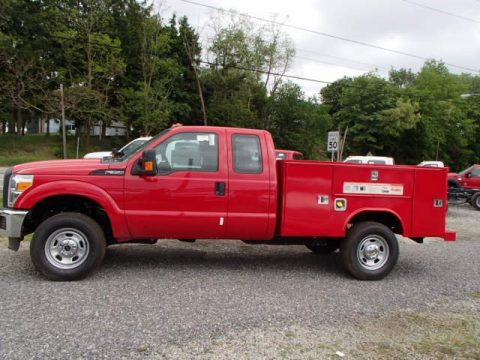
(219, 183)
(466, 185)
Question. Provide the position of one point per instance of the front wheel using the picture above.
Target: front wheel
(67, 246)
(475, 201)
(370, 251)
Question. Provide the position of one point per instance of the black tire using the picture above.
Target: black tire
(67, 246)
(325, 246)
(475, 200)
(371, 237)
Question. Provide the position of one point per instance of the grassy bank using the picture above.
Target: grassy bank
(20, 149)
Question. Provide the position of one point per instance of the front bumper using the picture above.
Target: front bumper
(11, 222)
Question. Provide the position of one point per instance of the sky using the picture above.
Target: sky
(440, 29)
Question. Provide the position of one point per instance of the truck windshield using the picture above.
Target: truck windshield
(140, 148)
(463, 172)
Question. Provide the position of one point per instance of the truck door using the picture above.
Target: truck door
(472, 179)
(187, 198)
(250, 194)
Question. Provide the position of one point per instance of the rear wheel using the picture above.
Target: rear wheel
(370, 251)
(475, 201)
(67, 246)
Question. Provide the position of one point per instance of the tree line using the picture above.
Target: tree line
(119, 60)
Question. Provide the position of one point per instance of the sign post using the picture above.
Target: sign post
(333, 141)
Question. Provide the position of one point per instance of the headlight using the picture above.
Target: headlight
(18, 184)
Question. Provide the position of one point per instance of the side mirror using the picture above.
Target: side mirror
(117, 153)
(468, 175)
(147, 164)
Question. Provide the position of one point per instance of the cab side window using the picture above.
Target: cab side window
(247, 154)
(188, 151)
(475, 172)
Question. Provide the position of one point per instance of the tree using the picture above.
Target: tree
(297, 123)
(187, 89)
(23, 64)
(376, 114)
(447, 129)
(247, 65)
(90, 60)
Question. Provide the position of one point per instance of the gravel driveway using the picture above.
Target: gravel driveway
(223, 299)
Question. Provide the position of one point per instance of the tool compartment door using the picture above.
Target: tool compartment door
(430, 202)
(306, 201)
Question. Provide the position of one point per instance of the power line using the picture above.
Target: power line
(268, 72)
(344, 59)
(204, 62)
(362, 43)
(441, 11)
(327, 63)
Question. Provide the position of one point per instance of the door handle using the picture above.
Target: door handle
(220, 188)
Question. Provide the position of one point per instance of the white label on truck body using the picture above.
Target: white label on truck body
(372, 189)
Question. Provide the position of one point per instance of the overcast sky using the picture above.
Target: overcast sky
(394, 24)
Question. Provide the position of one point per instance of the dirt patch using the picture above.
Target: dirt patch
(442, 331)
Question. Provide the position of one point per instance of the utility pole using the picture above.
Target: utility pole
(64, 133)
(342, 145)
(199, 85)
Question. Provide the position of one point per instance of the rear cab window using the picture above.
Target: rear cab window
(247, 154)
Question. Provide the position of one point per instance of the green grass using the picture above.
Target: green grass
(428, 335)
(16, 149)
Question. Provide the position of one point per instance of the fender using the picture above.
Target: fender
(377, 210)
(35, 194)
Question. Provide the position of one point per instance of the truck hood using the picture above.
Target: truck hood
(64, 167)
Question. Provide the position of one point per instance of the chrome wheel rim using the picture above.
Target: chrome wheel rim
(477, 201)
(372, 252)
(67, 248)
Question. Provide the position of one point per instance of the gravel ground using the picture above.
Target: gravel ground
(224, 300)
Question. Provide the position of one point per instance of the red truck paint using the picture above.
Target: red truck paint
(287, 201)
(468, 178)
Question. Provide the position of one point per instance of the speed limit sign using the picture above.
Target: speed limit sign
(333, 141)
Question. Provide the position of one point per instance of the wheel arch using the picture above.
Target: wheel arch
(386, 217)
(52, 198)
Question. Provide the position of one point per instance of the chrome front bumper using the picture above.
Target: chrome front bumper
(11, 222)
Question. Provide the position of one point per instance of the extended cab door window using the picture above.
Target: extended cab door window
(188, 152)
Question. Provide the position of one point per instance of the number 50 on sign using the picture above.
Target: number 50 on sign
(333, 141)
